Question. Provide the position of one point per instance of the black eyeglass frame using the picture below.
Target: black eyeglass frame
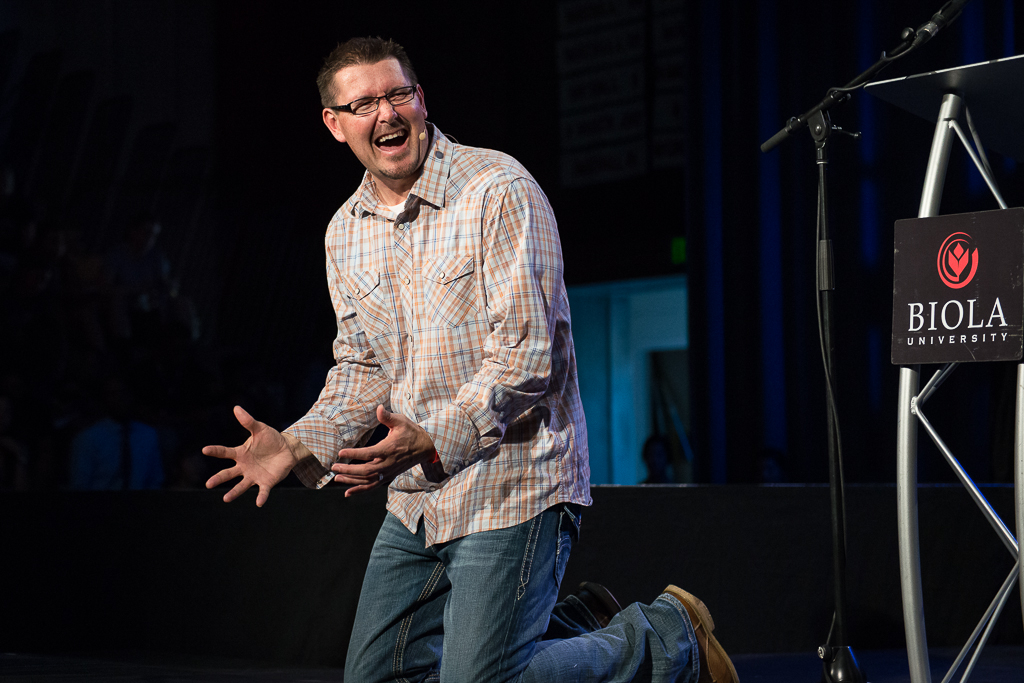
(397, 92)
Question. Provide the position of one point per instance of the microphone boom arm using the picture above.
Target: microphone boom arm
(910, 40)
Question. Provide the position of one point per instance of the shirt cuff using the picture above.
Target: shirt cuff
(312, 474)
(455, 438)
(319, 436)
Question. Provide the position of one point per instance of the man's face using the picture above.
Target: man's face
(386, 141)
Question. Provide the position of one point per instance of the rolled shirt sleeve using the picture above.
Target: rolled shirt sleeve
(522, 273)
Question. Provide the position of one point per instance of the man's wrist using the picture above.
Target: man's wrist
(297, 448)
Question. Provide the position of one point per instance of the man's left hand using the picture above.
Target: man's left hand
(405, 446)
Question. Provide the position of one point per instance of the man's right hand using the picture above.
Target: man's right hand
(265, 458)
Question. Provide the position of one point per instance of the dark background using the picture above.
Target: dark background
(207, 113)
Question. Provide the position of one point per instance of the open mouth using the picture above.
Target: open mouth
(393, 139)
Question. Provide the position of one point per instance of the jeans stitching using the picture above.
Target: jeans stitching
(563, 543)
(531, 545)
(532, 539)
(406, 625)
(558, 543)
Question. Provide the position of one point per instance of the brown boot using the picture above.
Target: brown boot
(599, 600)
(715, 665)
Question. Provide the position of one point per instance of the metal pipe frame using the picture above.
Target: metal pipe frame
(977, 140)
(1018, 469)
(909, 543)
(979, 498)
(906, 430)
(997, 603)
(909, 407)
(995, 609)
(988, 621)
(935, 382)
(938, 159)
(989, 180)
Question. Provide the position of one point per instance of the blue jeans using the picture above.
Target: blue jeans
(482, 609)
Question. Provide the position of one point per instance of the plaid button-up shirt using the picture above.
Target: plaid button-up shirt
(453, 313)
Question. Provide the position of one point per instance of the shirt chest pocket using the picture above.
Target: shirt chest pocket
(449, 288)
(366, 294)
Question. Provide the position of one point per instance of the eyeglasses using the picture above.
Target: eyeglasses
(368, 105)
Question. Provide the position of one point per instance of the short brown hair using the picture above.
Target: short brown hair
(360, 51)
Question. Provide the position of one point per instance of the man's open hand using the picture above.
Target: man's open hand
(405, 446)
(265, 458)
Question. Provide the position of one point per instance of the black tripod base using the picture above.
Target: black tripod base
(838, 665)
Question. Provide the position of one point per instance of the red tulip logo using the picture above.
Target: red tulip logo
(955, 255)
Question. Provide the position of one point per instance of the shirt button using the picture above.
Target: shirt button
(403, 226)
(357, 290)
(433, 487)
(442, 275)
(408, 396)
(405, 280)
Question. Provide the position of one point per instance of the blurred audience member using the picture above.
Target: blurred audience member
(656, 458)
(116, 451)
(140, 278)
(13, 453)
(17, 227)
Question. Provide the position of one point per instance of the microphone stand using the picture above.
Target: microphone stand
(839, 664)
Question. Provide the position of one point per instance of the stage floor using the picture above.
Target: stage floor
(1003, 664)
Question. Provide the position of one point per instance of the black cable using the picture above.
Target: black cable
(830, 394)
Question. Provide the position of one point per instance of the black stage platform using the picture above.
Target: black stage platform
(180, 574)
(1002, 664)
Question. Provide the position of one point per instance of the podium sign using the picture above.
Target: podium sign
(958, 288)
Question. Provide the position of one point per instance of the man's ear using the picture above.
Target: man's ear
(423, 102)
(332, 123)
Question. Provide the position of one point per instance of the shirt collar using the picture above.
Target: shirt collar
(430, 187)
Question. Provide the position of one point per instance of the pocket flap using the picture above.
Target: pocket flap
(448, 268)
(361, 283)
